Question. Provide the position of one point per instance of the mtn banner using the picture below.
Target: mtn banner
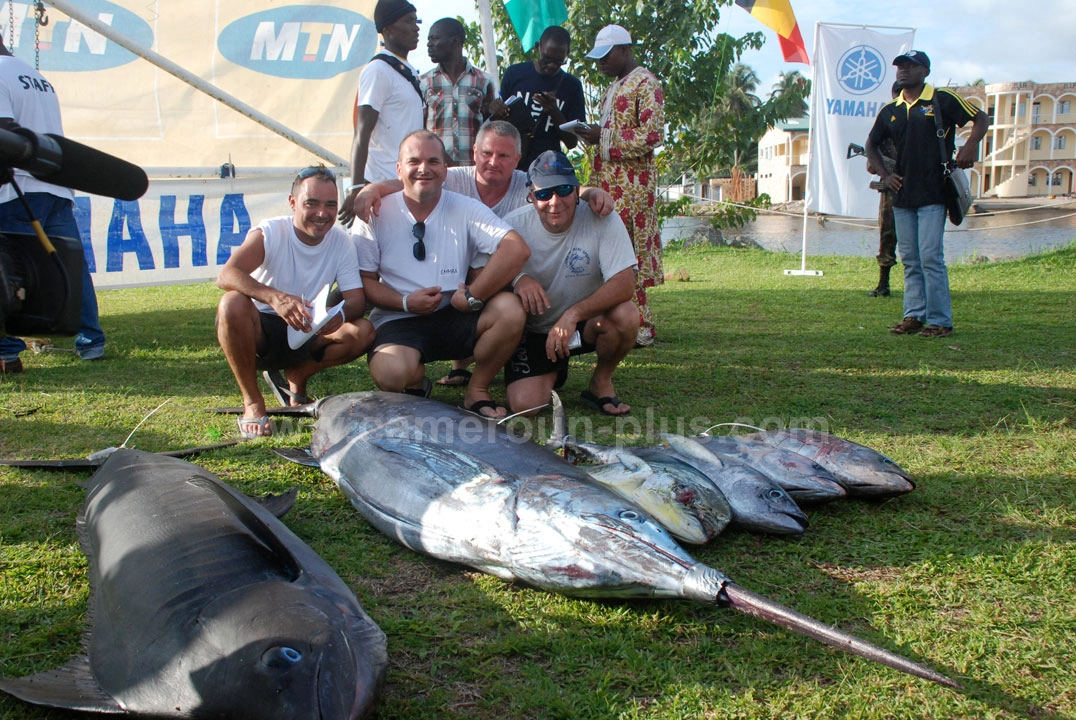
(853, 79)
(298, 63)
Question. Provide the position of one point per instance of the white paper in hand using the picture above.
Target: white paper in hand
(296, 338)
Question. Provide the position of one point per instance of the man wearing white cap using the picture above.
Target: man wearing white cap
(631, 128)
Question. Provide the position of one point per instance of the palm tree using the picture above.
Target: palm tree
(792, 84)
(740, 100)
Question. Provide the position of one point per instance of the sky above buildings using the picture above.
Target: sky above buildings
(996, 40)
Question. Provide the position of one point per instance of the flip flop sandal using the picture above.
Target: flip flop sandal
(282, 391)
(456, 378)
(599, 403)
(479, 405)
(261, 422)
(424, 390)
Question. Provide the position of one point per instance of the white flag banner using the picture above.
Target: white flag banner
(853, 79)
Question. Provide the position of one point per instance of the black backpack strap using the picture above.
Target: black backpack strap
(399, 67)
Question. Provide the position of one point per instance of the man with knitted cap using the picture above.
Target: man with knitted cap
(389, 103)
(576, 288)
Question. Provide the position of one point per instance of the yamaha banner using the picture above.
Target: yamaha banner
(853, 78)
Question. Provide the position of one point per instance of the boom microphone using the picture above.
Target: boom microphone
(57, 160)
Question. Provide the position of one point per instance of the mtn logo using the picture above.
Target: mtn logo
(69, 46)
(300, 41)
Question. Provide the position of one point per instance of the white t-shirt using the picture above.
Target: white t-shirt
(399, 110)
(30, 100)
(292, 266)
(571, 265)
(462, 180)
(456, 231)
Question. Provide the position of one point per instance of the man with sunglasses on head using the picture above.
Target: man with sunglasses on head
(269, 281)
(576, 288)
(415, 255)
(551, 96)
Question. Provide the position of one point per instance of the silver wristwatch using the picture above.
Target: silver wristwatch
(475, 304)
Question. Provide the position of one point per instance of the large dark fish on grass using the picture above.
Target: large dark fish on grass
(459, 488)
(204, 605)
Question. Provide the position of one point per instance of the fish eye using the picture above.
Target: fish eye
(774, 494)
(281, 657)
(630, 515)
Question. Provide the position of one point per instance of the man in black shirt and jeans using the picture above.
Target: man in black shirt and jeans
(918, 182)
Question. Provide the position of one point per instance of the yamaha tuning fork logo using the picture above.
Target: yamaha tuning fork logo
(861, 70)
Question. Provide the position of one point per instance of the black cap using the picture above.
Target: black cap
(387, 12)
(913, 56)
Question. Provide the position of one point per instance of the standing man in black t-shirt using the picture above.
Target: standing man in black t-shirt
(552, 96)
(918, 181)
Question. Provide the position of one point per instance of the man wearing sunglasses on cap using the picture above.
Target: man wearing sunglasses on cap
(268, 283)
(415, 256)
(576, 288)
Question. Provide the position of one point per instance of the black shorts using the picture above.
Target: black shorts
(530, 360)
(278, 354)
(446, 334)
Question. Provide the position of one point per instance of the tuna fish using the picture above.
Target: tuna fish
(758, 503)
(686, 502)
(803, 479)
(862, 471)
(204, 605)
(459, 488)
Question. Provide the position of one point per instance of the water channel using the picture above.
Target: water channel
(1003, 231)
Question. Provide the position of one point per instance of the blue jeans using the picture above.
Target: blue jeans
(58, 220)
(922, 252)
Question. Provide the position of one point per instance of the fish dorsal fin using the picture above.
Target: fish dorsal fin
(691, 449)
(289, 565)
(71, 687)
(279, 505)
(442, 461)
(299, 456)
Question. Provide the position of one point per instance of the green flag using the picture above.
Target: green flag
(531, 17)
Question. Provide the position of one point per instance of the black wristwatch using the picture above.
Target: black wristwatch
(475, 304)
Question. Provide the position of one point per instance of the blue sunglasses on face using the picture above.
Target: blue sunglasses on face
(547, 193)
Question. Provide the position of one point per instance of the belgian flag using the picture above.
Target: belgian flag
(778, 16)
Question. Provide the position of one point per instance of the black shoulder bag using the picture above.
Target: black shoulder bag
(403, 70)
(957, 187)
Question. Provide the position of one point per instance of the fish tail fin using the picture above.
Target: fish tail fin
(71, 687)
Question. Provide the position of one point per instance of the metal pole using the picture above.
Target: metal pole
(489, 42)
(213, 91)
(807, 183)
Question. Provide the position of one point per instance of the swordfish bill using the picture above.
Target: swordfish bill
(738, 598)
(453, 486)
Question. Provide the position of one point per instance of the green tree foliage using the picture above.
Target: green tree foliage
(713, 117)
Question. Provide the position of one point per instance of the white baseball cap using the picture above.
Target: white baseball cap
(609, 37)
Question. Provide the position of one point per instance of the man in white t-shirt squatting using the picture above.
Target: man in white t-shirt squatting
(415, 256)
(580, 278)
(269, 281)
(493, 180)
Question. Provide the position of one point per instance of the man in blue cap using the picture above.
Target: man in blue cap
(576, 288)
(919, 185)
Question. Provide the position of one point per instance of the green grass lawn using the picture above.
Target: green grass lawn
(973, 574)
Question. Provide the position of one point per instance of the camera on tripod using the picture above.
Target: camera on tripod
(41, 277)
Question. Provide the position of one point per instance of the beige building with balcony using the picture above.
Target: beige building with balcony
(1029, 150)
